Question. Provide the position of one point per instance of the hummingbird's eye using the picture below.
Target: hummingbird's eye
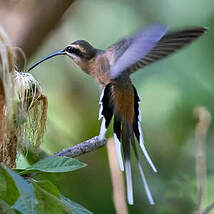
(69, 49)
(74, 51)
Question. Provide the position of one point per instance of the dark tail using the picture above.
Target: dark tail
(125, 133)
(127, 138)
(148, 192)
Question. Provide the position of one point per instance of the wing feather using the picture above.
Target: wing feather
(127, 52)
(167, 45)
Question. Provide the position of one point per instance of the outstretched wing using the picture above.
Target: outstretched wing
(127, 52)
(167, 45)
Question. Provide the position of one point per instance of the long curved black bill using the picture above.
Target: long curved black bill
(62, 52)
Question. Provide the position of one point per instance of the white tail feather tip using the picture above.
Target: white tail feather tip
(146, 186)
(147, 157)
(129, 182)
(118, 151)
(143, 148)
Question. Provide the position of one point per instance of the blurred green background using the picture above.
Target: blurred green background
(169, 91)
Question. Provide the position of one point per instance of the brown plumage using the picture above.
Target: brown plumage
(111, 69)
(123, 93)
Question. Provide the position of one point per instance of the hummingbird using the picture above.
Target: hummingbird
(111, 69)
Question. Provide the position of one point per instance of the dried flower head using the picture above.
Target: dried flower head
(23, 108)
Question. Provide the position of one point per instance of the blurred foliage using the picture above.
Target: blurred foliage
(32, 196)
(169, 91)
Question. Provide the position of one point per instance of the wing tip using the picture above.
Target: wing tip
(201, 30)
(204, 30)
(197, 30)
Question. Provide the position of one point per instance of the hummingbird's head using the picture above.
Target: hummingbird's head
(79, 51)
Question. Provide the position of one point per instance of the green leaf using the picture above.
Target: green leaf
(49, 203)
(8, 190)
(76, 208)
(5, 208)
(20, 206)
(49, 187)
(17, 170)
(54, 165)
(26, 192)
(65, 202)
(17, 212)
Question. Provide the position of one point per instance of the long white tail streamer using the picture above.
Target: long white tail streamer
(129, 182)
(146, 186)
(118, 151)
(146, 154)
